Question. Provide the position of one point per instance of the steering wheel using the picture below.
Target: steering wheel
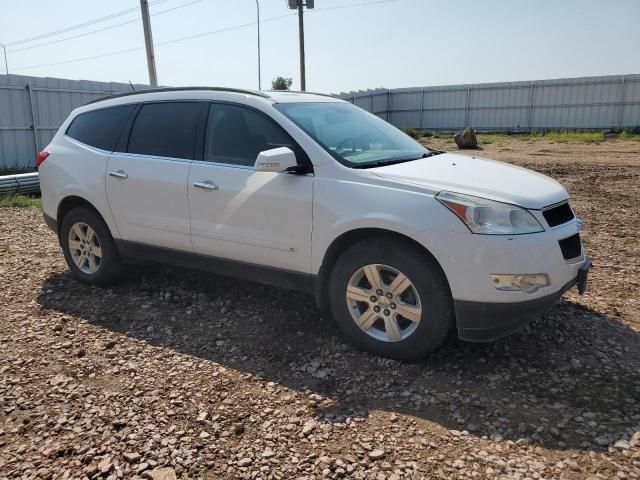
(342, 144)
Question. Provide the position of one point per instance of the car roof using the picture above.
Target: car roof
(208, 93)
(287, 96)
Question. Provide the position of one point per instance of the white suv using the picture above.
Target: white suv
(401, 243)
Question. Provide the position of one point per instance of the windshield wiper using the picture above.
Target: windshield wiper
(393, 161)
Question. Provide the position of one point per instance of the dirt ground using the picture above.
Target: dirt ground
(217, 378)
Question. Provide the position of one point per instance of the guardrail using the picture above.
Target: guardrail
(20, 183)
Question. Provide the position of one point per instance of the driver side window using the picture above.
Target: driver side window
(236, 135)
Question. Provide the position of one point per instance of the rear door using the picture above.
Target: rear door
(147, 180)
(262, 218)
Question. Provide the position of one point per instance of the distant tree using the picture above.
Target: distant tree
(281, 83)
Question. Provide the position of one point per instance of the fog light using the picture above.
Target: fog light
(527, 282)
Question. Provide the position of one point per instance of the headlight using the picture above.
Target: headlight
(488, 217)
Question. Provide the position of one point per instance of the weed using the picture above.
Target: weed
(19, 200)
(564, 136)
(630, 134)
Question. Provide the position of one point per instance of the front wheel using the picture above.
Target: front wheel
(391, 299)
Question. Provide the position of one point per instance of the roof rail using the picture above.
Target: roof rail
(310, 93)
(180, 89)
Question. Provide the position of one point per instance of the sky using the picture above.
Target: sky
(350, 44)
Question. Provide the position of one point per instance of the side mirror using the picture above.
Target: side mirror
(278, 160)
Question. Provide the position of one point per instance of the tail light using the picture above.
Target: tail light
(41, 157)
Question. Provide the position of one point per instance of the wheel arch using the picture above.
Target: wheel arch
(70, 202)
(351, 237)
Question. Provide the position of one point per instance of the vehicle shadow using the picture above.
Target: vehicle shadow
(570, 381)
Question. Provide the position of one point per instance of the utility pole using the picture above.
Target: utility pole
(299, 5)
(259, 73)
(148, 41)
(303, 79)
(6, 65)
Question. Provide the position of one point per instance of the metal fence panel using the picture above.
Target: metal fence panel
(405, 119)
(445, 99)
(33, 108)
(607, 102)
(503, 97)
(632, 91)
(443, 119)
(405, 100)
(363, 102)
(499, 118)
(630, 116)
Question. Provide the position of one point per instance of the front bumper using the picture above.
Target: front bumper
(469, 260)
(485, 322)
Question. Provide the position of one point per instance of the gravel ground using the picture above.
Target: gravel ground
(183, 374)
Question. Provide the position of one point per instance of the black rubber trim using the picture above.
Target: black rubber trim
(51, 222)
(233, 268)
(123, 140)
(485, 322)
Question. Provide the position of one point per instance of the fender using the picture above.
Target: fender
(101, 206)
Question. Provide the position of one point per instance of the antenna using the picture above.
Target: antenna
(132, 87)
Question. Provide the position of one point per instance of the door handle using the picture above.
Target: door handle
(206, 185)
(119, 174)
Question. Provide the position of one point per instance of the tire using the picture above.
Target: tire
(427, 297)
(96, 269)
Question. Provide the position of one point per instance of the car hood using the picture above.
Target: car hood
(480, 177)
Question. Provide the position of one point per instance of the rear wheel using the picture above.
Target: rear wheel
(88, 247)
(391, 299)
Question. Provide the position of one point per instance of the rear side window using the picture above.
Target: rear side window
(236, 135)
(165, 129)
(100, 128)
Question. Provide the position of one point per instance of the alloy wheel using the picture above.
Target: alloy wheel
(383, 302)
(85, 248)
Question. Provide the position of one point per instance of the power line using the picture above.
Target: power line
(192, 37)
(137, 20)
(168, 42)
(118, 52)
(81, 25)
(222, 30)
(351, 5)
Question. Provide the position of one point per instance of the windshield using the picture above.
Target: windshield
(354, 137)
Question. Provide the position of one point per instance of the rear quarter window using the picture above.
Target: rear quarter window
(100, 128)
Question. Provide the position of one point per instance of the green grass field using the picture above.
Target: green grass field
(488, 138)
(566, 136)
(17, 200)
(630, 135)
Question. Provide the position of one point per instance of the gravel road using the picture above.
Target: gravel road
(181, 374)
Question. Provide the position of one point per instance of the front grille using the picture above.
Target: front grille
(571, 247)
(558, 215)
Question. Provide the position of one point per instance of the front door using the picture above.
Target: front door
(237, 213)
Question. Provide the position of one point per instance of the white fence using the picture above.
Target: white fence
(33, 108)
(611, 102)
